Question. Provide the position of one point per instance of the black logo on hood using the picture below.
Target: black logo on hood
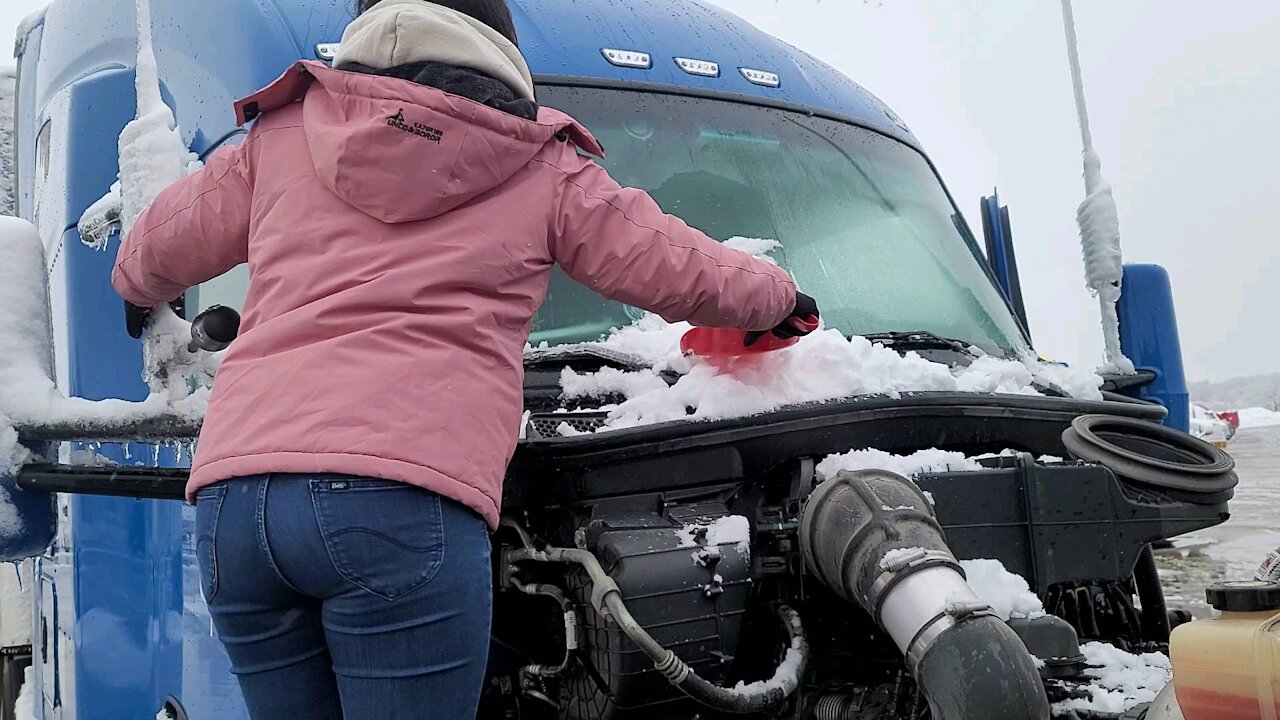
(398, 122)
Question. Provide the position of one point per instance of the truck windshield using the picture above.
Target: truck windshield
(862, 221)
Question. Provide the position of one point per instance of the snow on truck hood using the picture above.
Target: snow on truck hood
(821, 367)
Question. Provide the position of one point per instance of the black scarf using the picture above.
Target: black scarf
(461, 81)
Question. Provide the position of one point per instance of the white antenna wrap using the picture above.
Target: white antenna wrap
(1099, 221)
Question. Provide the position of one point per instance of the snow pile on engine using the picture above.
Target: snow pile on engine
(786, 678)
(1121, 680)
(1008, 593)
(931, 460)
(823, 366)
(731, 529)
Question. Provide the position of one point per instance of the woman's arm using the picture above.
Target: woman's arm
(197, 229)
(619, 242)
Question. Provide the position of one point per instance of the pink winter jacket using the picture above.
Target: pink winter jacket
(399, 241)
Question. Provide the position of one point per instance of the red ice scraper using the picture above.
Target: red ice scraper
(728, 343)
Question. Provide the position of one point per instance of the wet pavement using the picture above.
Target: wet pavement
(1233, 550)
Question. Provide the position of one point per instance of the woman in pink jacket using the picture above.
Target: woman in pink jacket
(400, 216)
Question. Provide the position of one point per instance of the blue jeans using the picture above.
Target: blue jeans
(346, 598)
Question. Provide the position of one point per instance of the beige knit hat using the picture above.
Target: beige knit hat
(399, 32)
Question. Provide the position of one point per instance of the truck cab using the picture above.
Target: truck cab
(738, 133)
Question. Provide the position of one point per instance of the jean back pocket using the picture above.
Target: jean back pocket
(208, 509)
(383, 536)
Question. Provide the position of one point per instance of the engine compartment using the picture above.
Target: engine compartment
(698, 526)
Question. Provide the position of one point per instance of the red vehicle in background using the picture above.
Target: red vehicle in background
(1217, 428)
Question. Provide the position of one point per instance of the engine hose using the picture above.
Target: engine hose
(607, 600)
(570, 626)
(872, 538)
(1155, 615)
(837, 706)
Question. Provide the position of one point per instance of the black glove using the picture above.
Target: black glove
(135, 319)
(801, 322)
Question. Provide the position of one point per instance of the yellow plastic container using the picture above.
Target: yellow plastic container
(1228, 667)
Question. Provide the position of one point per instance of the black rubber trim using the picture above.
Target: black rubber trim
(816, 415)
(145, 483)
(1117, 383)
(654, 88)
(1201, 469)
(174, 709)
(1244, 596)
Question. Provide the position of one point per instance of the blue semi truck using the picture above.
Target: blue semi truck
(743, 136)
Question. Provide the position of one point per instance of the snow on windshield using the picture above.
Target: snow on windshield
(823, 366)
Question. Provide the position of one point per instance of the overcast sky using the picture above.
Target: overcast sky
(1184, 99)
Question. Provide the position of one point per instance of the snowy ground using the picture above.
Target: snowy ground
(1256, 417)
(1233, 550)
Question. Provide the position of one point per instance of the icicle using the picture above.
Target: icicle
(155, 455)
(1098, 219)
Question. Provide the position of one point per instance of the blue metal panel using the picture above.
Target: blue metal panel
(1149, 337)
(565, 38)
(996, 243)
(126, 555)
(31, 535)
(246, 43)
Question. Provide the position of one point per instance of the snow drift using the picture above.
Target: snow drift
(1256, 417)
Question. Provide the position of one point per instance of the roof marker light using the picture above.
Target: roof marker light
(627, 58)
(327, 51)
(705, 68)
(761, 77)
(897, 120)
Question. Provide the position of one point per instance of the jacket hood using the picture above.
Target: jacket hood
(403, 152)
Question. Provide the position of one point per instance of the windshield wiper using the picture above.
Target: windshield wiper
(565, 354)
(922, 340)
(925, 340)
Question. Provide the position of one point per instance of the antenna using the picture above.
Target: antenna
(1098, 219)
